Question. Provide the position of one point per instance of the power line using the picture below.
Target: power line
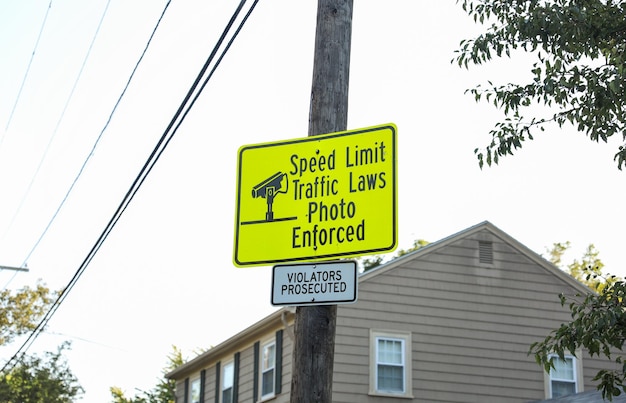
(184, 108)
(58, 124)
(30, 62)
(94, 146)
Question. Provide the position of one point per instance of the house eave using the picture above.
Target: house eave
(247, 336)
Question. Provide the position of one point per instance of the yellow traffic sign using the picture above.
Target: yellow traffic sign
(317, 198)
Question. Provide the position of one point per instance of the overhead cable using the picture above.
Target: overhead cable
(58, 124)
(93, 147)
(188, 102)
(30, 62)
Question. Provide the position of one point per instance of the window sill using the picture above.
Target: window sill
(266, 398)
(397, 395)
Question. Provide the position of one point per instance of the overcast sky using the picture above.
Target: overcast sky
(165, 275)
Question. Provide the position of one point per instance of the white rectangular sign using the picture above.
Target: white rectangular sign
(322, 283)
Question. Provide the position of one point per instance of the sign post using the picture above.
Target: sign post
(318, 197)
(314, 326)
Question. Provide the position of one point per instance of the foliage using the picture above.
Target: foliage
(580, 50)
(587, 271)
(371, 262)
(163, 392)
(119, 397)
(417, 244)
(598, 324)
(21, 311)
(35, 380)
(557, 252)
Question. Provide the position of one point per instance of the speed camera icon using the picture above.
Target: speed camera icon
(268, 189)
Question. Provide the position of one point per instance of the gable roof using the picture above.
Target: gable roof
(286, 314)
(548, 266)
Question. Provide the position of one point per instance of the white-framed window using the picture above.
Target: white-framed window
(565, 377)
(228, 382)
(390, 363)
(194, 391)
(268, 369)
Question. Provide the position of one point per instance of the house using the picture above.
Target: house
(449, 322)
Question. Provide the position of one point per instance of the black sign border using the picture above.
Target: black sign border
(389, 248)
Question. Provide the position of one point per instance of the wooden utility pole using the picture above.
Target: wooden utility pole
(314, 328)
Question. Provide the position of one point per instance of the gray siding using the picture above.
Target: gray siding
(471, 324)
(180, 391)
(209, 385)
(287, 356)
(246, 373)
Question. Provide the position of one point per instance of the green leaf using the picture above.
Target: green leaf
(579, 68)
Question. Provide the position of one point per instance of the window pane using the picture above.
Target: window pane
(390, 365)
(268, 383)
(268, 356)
(229, 372)
(194, 395)
(563, 369)
(563, 377)
(390, 351)
(563, 388)
(390, 378)
(268, 362)
(227, 395)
